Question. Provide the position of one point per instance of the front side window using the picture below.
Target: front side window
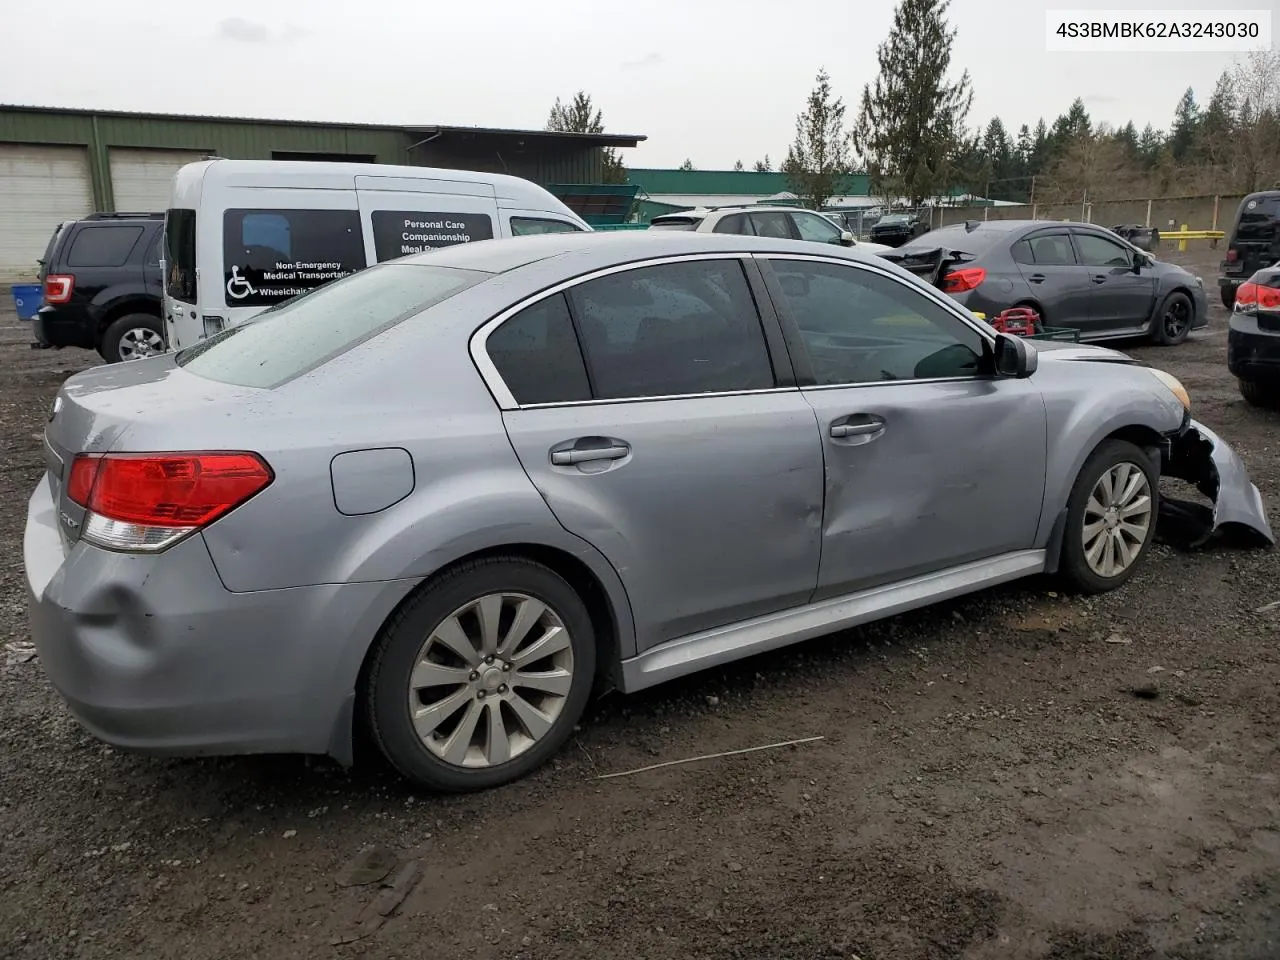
(296, 337)
(537, 355)
(672, 329)
(1096, 251)
(180, 254)
(400, 233)
(862, 327)
(102, 246)
(533, 226)
(815, 228)
(271, 255)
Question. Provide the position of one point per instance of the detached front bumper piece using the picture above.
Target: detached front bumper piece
(1202, 458)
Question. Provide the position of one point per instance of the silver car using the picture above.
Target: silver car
(449, 497)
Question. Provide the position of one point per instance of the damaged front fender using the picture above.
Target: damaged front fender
(1202, 458)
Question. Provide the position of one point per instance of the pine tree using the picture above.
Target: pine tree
(1150, 146)
(738, 167)
(687, 165)
(912, 119)
(820, 160)
(1186, 123)
(579, 115)
(998, 151)
(763, 166)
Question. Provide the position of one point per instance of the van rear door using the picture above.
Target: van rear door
(1256, 239)
(407, 215)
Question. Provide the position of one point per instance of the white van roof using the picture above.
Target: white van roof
(326, 175)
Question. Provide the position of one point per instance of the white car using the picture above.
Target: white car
(779, 223)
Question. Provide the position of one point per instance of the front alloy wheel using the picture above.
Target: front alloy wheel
(1117, 520)
(1111, 517)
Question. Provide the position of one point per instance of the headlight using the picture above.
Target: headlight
(1175, 387)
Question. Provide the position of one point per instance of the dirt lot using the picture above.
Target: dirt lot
(1017, 774)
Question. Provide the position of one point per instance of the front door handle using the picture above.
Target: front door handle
(576, 455)
(1100, 278)
(864, 428)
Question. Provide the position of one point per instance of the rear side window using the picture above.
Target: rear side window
(297, 337)
(271, 255)
(400, 233)
(103, 246)
(537, 355)
(1049, 250)
(672, 329)
(532, 226)
(180, 254)
(735, 223)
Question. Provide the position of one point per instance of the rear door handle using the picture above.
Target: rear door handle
(1037, 278)
(576, 455)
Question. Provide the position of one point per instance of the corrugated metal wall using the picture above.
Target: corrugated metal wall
(544, 163)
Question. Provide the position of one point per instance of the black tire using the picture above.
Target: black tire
(1264, 394)
(129, 329)
(1228, 297)
(1174, 319)
(397, 650)
(1074, 565)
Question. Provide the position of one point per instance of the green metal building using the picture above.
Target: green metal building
(666, 191)
(58, 164)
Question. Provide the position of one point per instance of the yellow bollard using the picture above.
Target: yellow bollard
(1182, 244)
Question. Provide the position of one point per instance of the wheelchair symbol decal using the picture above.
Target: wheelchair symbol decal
(238, 286)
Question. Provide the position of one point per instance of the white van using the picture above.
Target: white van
(244, 235)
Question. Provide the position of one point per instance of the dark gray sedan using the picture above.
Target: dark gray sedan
(1072, 274)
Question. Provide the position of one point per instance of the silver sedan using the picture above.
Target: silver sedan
(451, 496)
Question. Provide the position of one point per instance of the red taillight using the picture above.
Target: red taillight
(1233, 255)
(1258, 297)
(958, 281)
(58, 287)
(146, 501)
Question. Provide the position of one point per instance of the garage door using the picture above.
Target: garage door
(39, 188)
(141, 179)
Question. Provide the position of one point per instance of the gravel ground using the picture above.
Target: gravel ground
(1016, 774)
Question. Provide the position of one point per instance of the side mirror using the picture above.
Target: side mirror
(1140, 260)
(1015, 358)
(846, 238)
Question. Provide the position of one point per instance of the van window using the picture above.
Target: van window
(295, 338)
(1259, 218)
(272, 255)
(180, 254)
(532, 226)
(399, 233)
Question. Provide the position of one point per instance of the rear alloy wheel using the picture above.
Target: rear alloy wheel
(481, 678)
(1174, 323)
(1111, 517)
(132, 337)
(1261, 393)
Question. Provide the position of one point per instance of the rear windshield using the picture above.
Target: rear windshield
(957, 237)
(294, 338)
(674, 225)
(180, 254)
(1259, 218)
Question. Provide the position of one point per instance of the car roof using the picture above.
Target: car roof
(606, 248)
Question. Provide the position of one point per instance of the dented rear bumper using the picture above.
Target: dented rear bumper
(1202, 458)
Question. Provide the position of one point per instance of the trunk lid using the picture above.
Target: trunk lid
(95, 412)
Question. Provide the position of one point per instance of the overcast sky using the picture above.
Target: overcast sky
(711, 80)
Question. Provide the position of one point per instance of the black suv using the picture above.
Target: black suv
(102, 286)
(898, 228)
(1254, 242)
